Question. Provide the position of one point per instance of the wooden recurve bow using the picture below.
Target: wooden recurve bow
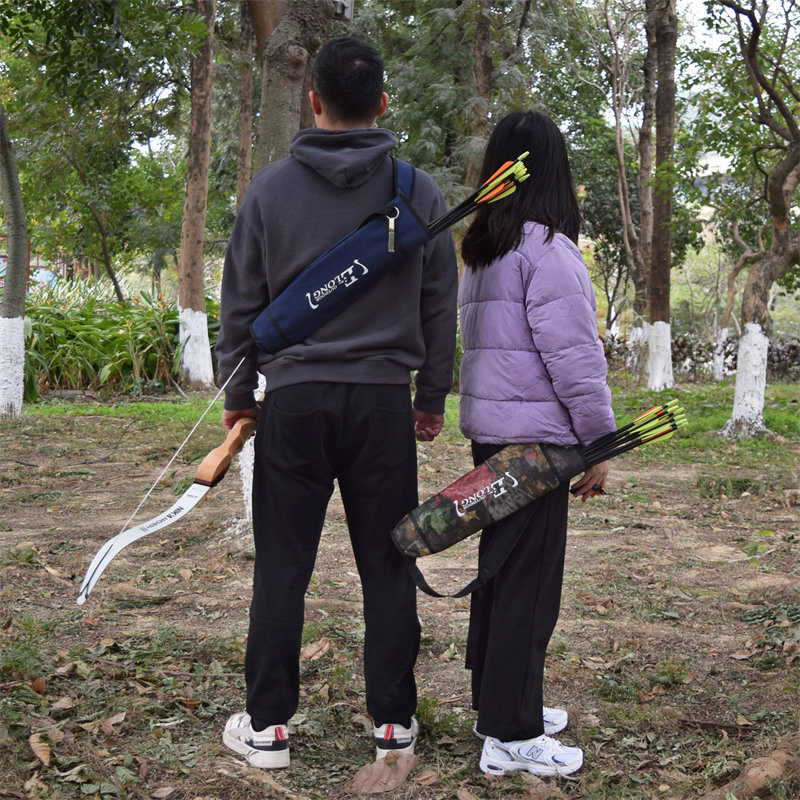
(210, 472)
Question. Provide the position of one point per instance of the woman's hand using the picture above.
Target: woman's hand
(592, 482)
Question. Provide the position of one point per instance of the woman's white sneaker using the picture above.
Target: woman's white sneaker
(540, 756)
(267, 749)
(555, 720)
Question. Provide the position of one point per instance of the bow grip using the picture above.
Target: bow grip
(214, 466)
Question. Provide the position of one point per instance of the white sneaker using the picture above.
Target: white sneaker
(555, 721)
(267, 749)
(391, 738)
(540, 756)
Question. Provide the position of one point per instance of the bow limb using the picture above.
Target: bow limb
(211, 471)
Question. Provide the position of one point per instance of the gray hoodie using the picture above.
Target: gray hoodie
(294, 210)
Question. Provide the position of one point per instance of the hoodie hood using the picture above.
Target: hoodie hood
(345, 158)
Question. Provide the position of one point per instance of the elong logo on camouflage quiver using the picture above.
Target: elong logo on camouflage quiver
(501, 485)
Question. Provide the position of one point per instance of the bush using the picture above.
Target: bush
(79, 337)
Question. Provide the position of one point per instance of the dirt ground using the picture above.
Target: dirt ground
(674, 653)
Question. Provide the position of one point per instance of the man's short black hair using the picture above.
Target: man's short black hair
(347, 74)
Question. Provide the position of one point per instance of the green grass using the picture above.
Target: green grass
(166, 412)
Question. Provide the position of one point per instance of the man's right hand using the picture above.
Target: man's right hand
(427, 426)
(229, 418)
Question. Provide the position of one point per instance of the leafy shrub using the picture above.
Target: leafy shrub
(79, 337)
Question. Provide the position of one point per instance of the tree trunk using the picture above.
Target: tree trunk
(644, 175)
(771, 85)
(658, 285)
(636, 243)
(483, 79)
(747, 419)
(265, 16)
(102, 228)
(288, 52)
(196, 366)
(718, 360)
(244, 160)
(12, 306)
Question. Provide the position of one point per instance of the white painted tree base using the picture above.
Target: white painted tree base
(12, 366)
(718, 361)
(637, 342)
(197, 370)
(659, 366)
(747, 419)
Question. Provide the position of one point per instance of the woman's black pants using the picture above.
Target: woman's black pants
(513, 616)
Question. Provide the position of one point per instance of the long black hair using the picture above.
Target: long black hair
(547, 197)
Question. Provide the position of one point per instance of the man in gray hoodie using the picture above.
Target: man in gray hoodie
(338, 405)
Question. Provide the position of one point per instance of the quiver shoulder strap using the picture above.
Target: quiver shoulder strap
(344, 272)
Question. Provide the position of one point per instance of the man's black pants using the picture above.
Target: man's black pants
(309, 434)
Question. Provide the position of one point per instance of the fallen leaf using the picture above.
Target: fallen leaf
(34, 786)
(164, 791)
(41, 749)
(464, 794)
(450, 653)
(741, 655)
(186, 574)
(540, 790)
(63, 703)
(315, 650)
(427, 777)
(38, 685)
(365, 722)
(383, 775)
(55, 735)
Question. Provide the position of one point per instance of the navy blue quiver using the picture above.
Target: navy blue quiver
(345, 271)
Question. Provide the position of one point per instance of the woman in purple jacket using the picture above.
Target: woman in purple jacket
(533, 370)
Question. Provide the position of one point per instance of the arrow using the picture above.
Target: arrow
(500, 184)
(211, 471)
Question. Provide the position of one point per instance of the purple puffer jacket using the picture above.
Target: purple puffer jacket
(533, 368)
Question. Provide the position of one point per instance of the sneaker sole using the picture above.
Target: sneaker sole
(263, 759)
(491, 766)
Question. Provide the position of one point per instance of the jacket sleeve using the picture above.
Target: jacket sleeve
(562, 315)
(438, 312)
(244, 294)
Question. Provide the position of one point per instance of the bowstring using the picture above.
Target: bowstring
(183, 444)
